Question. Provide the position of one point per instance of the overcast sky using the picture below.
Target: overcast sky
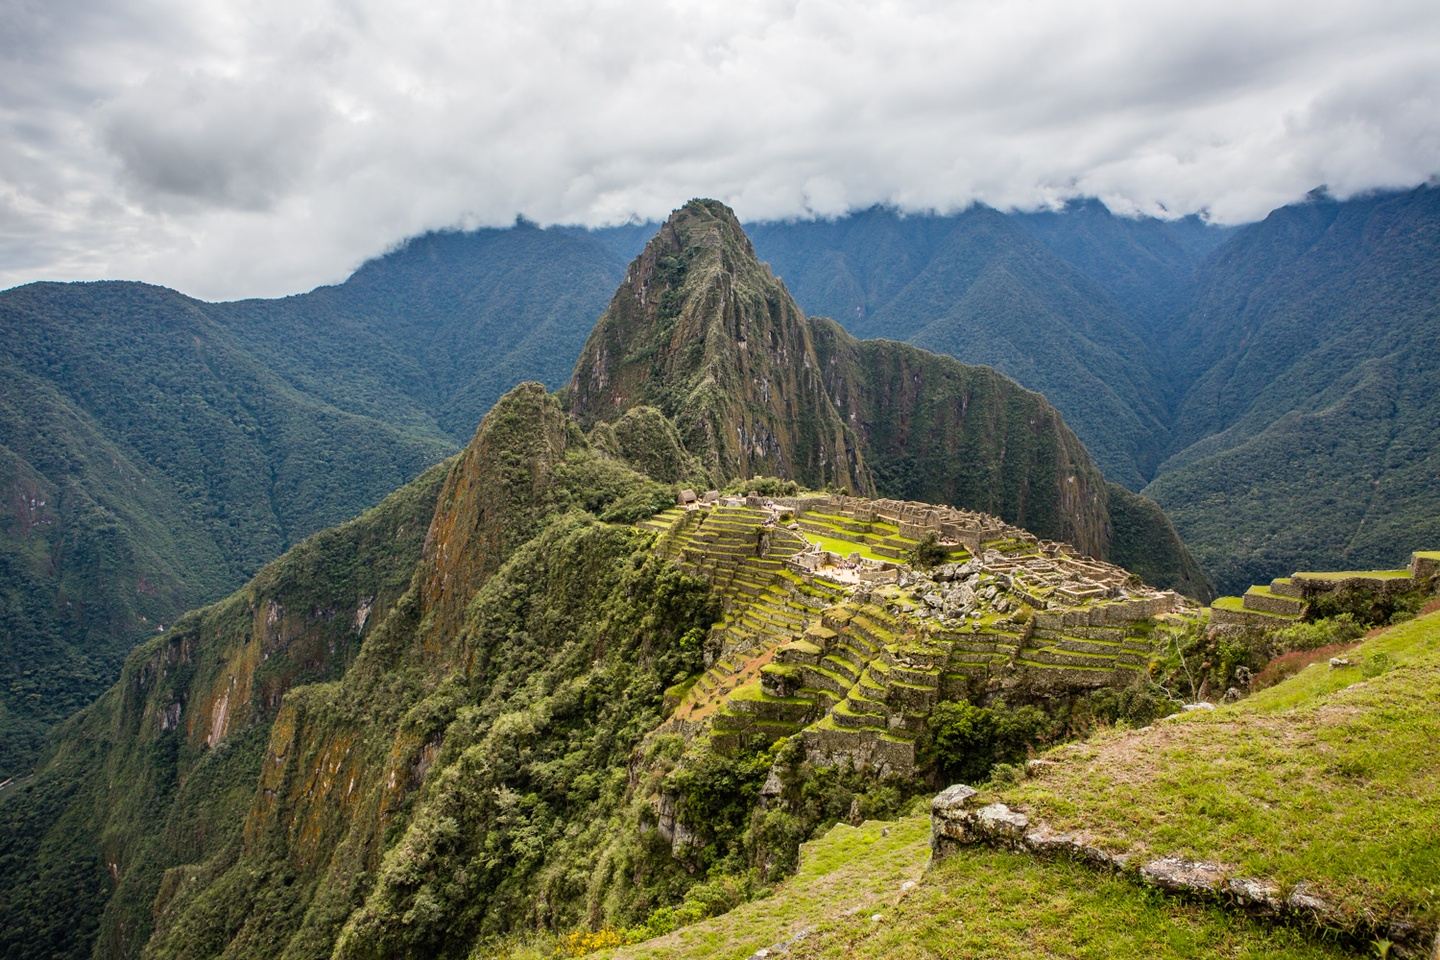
(260, 147)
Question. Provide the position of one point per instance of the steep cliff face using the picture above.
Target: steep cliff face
(160, 770)
(939, 431)
(531, 649)
(492, 499)
(703, 331)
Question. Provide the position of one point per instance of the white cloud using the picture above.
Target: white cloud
(264, 147)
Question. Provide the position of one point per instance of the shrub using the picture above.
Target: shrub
(966, 742)
(1320, 633)
(1137, 705)
(1287, 665)
(928, 552)
(1377, 663)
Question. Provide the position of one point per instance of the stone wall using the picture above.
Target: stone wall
(879, 756)
(958, 820)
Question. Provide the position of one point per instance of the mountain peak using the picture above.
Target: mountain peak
(704, 331)
(709, 223)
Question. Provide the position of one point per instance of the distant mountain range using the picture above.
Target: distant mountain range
(1272, 386)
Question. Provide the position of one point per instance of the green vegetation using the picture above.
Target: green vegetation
(1355, 575)
(1305, 434)
(132, 781)
(1290, 762)
(1272, 384)
(989, 444)
(928, 552)
(995, 904)
(843, 548)
(985, 904)
(176, 445)
(454, 721)
(1025, 294)
(965, 741)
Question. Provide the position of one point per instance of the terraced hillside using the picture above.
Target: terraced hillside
(1288, 599)
(1321, 791)
(831, 631)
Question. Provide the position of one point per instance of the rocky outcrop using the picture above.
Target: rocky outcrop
(958, 820)
(492, 499)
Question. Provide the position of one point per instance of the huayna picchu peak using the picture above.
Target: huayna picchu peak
(702, 330)
(615, 667)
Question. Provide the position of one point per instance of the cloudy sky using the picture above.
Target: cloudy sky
(260, 147)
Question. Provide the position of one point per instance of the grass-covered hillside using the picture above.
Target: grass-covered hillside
(1326, 779)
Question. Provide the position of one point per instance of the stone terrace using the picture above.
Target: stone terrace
(1287, 599)
(829, 632)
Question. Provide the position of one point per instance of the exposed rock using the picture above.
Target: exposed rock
(998, 820)
(1179, 875)
(1302, 901)
(783, 947)
(772, 787)
(952, 799)
(1255, 895)
(1202, 705)
(954, 824)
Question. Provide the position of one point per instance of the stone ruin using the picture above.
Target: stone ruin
(852, 652)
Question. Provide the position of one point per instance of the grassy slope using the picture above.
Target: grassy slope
(983, 904)
(1324, 778)
(1329, 778)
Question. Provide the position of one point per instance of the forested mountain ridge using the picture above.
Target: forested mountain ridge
(997, 289)
(150, 462)
(419, 342)
(155, 450)
(1310, 433)
(455, 718)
